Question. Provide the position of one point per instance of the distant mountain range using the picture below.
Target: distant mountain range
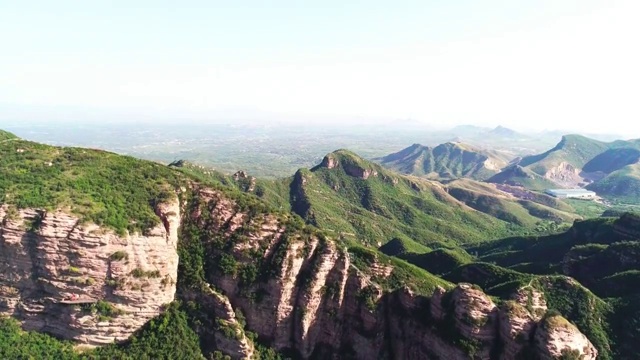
(612, 169)
(447, 161)
(473, 131)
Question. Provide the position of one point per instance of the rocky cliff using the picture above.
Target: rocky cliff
(291, 286)
(82, 282)
(309, 297)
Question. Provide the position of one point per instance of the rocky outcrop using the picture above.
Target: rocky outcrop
(359, 172)
(245, 182)
(475, 316)
(329, 162)
(297, 290)
(516, 327)
(557, 337)
(350, 167)
(565, 174)
(82, 282)
(229, 334)
(309, 298)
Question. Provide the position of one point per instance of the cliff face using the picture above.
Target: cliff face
(83, 282)
(305, 295)
(296, 290)
(561, 338)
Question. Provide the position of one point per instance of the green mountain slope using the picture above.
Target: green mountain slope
(622, 184)
(527, 212)
(239, 235)
(446, 161)
(575, 150)
(359, 199)
(612, 160)
(93, 184)
(610, 169)
(5, 135)
(602, 255)
(517, 175)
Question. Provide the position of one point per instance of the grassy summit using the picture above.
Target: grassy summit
(5, 135)
(101, 187)
(449, 160)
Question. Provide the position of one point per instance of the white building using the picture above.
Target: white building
(571, 193)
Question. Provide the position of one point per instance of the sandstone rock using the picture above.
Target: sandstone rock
(315, 301)
(319, 305)
(516, 328)
(475, 312)
(556, 337)
(62, 259)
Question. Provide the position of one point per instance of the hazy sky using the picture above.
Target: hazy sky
(526, 64)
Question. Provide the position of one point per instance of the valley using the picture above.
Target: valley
(333, 261)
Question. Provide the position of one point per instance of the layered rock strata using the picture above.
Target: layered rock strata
(82, 282)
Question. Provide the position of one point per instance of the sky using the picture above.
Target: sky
(528, 64)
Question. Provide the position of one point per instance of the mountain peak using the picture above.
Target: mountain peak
(576, 140)
(504, 131)
(445, 161)
(351, 163)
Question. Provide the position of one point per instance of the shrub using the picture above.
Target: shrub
(139, 273)
(119, 255)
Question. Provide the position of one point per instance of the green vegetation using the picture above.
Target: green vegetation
(18, 344)
(156, 340)
(139, 273)
(488, 200)
(576, 150)
(74, 270)
(402, 275)
(168, 336)
(424, 228)
(386, 205)
(622, 185)
(400, 246)
(439, 261)
(521, 176)
(5, 136)
(103, 309)
(586, 209)
(591, 252)
(98, 186)
(584, 309)
(119, 255)
(618, 161)
(445, 161)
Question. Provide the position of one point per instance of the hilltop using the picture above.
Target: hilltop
(91, 184)
(5, 135)
(446, 161)
(506, 132)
